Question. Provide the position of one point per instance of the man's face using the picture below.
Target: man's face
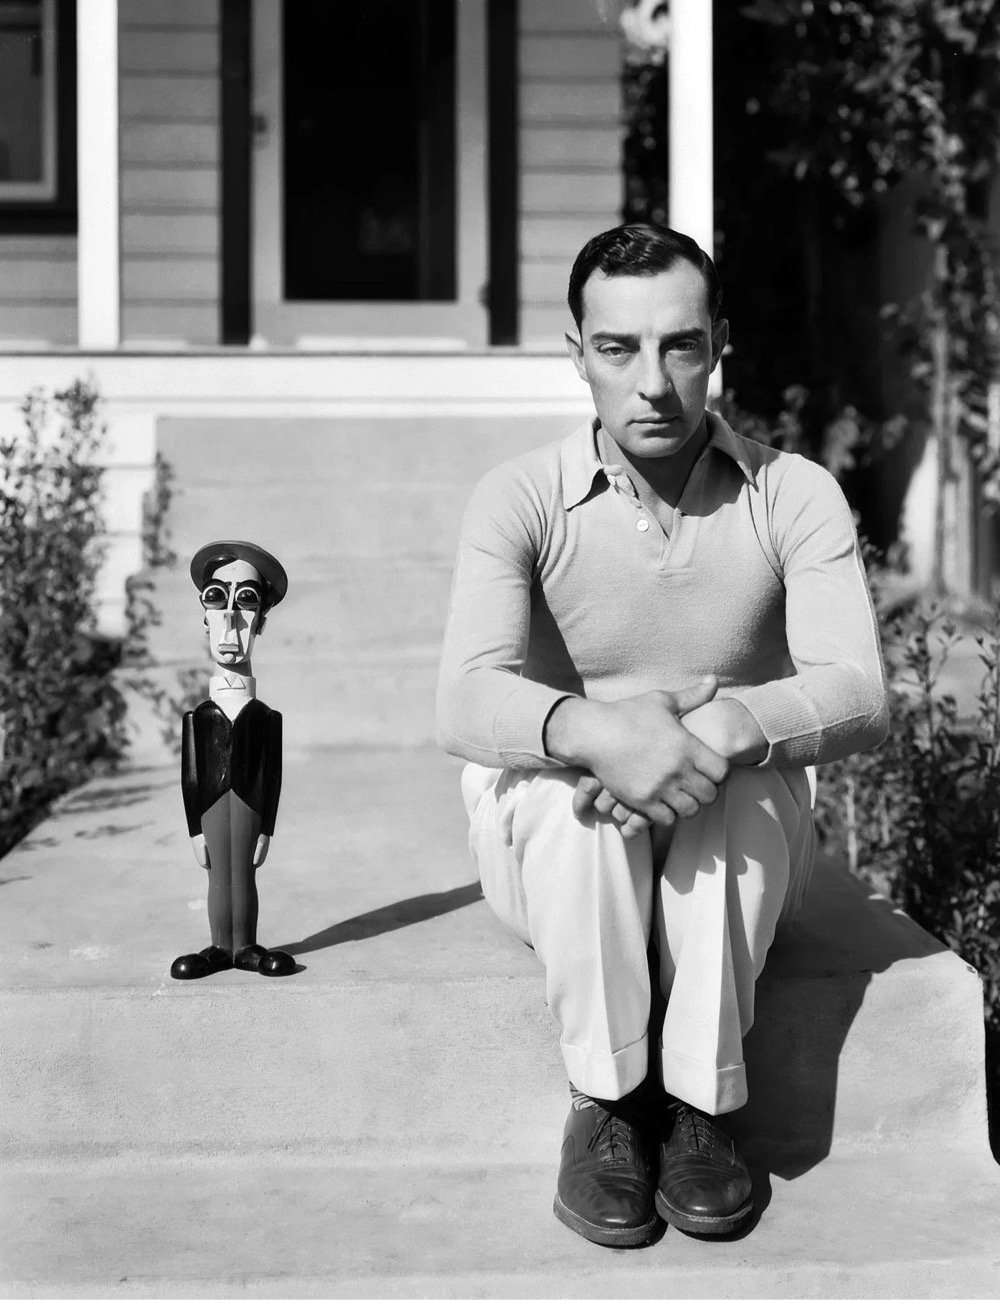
(231, 599)
(647, 348)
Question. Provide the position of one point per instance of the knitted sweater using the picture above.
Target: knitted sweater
(565, 585)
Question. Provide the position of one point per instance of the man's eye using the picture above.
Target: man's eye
(214, 597)
(247, 598)
(613, 350)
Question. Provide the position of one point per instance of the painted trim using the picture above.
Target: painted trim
(504, 170)
(56, 216)
(98, 199)
(235, 108)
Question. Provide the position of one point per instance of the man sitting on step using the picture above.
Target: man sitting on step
(655, 626)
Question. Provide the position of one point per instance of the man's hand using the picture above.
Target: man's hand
(200, 851)
(643, 758)
(726, 726)
(260, 852)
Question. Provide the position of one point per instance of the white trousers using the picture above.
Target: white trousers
(588, 901)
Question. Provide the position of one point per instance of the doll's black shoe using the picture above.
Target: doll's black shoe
(277, 962)
(250, 957)
(196, 965)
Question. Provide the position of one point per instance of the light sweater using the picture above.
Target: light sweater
(565, 585)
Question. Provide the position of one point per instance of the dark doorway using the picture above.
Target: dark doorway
(369, 148)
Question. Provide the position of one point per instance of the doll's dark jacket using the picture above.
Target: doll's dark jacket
(243, 756)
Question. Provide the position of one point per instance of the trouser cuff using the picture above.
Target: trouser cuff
(713, 1090)
(609, 1075)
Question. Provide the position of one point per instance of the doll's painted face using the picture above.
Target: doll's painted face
(233, 602)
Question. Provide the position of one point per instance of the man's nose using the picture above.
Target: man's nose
(654, 378)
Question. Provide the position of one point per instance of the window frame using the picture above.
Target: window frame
(31, 213)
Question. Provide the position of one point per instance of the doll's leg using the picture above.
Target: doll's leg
(244, 829)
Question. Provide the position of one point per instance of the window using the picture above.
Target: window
(37, 116)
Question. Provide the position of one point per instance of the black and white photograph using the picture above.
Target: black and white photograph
(500, 648)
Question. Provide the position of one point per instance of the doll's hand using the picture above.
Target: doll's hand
(200, 851)
(260, 853)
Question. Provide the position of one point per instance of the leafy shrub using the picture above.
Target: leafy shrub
(59, 707)
(920, 817)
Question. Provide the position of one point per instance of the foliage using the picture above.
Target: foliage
(848, 440)
(169, 694)
(920, 817)
(874, 91)
(60, 709)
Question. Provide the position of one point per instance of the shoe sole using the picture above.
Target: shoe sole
(639, 1236)
(706, 1225)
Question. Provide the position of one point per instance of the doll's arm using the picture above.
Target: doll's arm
(272, 775)
(189, 788)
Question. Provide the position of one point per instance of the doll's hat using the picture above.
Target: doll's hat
(211, 557)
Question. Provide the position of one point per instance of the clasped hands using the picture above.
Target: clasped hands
(653, 758)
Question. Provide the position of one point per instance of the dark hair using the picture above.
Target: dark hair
(639, 249)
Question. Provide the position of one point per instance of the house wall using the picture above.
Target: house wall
(569, 147)
(37, 290)
(170, 151)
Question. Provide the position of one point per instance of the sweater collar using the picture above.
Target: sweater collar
(581, 464)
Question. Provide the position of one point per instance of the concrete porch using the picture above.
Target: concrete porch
(387, 1121)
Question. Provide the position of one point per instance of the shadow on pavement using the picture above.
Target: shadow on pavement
(394, 916)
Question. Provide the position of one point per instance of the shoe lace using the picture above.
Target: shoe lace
(614, 1138)
(695, 1128)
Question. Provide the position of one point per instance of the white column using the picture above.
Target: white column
(98, 207)
(691, 164)
(692, 177)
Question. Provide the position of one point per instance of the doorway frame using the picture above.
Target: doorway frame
(277, 322)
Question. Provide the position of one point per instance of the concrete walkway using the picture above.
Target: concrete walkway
(387, 1121)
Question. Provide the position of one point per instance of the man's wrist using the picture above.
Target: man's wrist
(728, 727)
(568, 731)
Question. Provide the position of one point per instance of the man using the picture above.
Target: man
(655, 627)
(231, 760)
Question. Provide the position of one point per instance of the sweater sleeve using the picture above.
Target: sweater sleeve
(835, 704)
(486, 711)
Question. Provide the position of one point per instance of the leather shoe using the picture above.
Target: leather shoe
(606, 1182)
(705, 1185)
(196, 965)
(276, 962)
(249, 958)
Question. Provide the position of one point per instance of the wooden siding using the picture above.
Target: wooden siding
(170, 136)
(570, 149)
(38, 289)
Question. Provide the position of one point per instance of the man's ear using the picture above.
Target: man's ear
(575, 349)
(720, 337)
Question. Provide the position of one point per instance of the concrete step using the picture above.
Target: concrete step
(334, 607)
(868, 1031)
(379, 698)
(311, 489)
(387, 1121)
(349, 452)
(856, 1226)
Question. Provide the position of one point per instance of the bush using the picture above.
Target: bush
(59, 707)
(920, 817)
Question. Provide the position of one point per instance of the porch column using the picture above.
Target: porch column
(692, 176)
(98, 205)
(691, 164)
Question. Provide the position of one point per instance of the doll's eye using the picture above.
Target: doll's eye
(214, 596)
(247, 598)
